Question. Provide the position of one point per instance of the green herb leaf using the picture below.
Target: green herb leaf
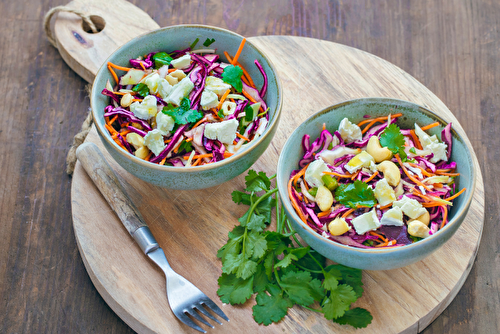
(233, 290)
(161, 59)
(350, 276)
(393, 139)
(355, 194)
(232, 75)
(270, 308)
(301, 287)
(338, 302)
(261, 279)
(257, 181)
(248, 113)
(208, 42)
(332, 277)
(141, 89)
(356, 317)
(413, 150)
(183, 114)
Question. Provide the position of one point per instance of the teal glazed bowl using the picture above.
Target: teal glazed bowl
(178, 38)
(377, 259)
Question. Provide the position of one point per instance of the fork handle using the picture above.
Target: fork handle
(106, 181)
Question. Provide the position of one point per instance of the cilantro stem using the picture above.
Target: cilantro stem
(310, 270)
(260, 199)
(312, 309)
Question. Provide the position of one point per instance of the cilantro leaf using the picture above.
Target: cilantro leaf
(256, 221)
(301, 287)
(286, 261)
(338, 302)
(356, 317)
(185, 146)
(261, 279)
(308, 263)
(232, 75)
(255, 245)
(332, 277)
(354, 194)
(208, 42)
(393, 139)
(270, 308)
(350, 276)
(246, 269)
(161, 59)
(141, 89)
(183, 114)
(233, 290)
(249, 113)
(257, 181)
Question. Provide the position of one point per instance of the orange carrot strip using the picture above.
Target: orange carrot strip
(324, 213)
(378, 235)
(110, 129)
(371, 177)
(425, 172)
(121, 68)
(227, 154)
(189, 139)
(448, 174)
(162, 162)
(348, 212)
(339, 175)
(385, 206)
(430, 126)
(240, 48)
(294, 203)
(299, 174)
(142, 65)
(149, 156)
(411, 177)
(223, 98)
(355, 175)
(249, 97)
(443, 170)
(445, 216)
(369, 126)
(247, 75)
(135, 100)
(379, 119)
(113, 119)
(416, 141)
(456, 195)
(199, 122)
(196, 162)
(242, 137)
(113, 74)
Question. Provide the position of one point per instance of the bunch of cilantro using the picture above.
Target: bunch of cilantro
(276, 267)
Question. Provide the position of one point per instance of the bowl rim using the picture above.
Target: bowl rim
(421, 243)
(162, 168)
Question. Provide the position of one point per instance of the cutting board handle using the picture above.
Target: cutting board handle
(110, 187)
(117, 22)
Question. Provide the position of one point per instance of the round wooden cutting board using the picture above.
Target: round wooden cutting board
(192, 225)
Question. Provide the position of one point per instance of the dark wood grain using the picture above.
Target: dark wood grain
(451, 46)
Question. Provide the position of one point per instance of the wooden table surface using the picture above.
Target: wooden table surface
(451, 46)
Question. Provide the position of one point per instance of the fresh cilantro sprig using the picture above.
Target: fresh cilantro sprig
(183, 114)
(356, 194)
(232, 75)
(278, 269)
(393, 139)
(161, 59)
(141, 89)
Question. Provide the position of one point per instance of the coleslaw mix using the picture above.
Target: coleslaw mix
(185, 107)
(372, 184)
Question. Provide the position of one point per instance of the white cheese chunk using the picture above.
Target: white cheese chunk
(349, 132)
(410, 207)
(132, 77)
(432, 144)
(145, 109)
(314, 172)
(154, 141)
(363, 159)
(152, 82)
(216, 85)
(209, 100)
(366, 222)
(181, 62)
(392, 217)
(329, 156)
(164, 123)
(384, 193)
(164, 88)
(180, 91)
(224, 131)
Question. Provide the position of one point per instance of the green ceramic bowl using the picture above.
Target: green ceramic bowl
(177, 38)
(376, 259)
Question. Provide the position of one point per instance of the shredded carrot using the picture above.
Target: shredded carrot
(430, 126)
(298, 175)
(199, 122)
(196, 162)
(121, 68)
(432, 204)
(223, 98)
(379, 119)
(448, 174)
(369, 126)
(113, 119)
(443, 170)
(237, 55)
(347, 213)
(383, 244)
(371, 177)
(324, 126)
(378, 235)
(227, 154)
(416, 141)
(189, 139)
(339, 175)
(110, 129)
(445, 216)
(355, 175)
(247, 76)
(229, 59)
(294, 203)
(411, 177)
(113, 74)
(135, 100)
(242, 137)
(426, 173)
(249, 97)
(162, 162)
(385, 206)
(149, 156)
(323, 213)
(142, 65)
(170, 70)
(125, 132)
(456, 195)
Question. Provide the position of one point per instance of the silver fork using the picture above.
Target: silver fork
(186, 300)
